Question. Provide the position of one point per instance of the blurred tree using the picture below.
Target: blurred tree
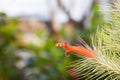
(2, 14)
(86, 14)
(2, 19)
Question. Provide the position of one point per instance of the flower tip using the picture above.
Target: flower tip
(56, 44)
(59, 44)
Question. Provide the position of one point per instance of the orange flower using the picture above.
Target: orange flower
(77, 49)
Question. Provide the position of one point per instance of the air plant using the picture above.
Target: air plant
(102, 62)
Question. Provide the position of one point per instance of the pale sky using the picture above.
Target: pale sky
(42, 8)
(27, 7)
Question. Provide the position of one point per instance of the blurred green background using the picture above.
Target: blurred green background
(27, 46)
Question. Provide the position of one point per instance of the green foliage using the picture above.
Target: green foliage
(46, 62)
(8, 71)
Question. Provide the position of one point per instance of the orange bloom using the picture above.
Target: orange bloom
(77, 49)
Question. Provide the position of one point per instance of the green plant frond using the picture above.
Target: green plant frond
(106, 64)
(91, 69)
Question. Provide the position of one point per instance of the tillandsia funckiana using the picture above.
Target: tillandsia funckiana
(102, 62)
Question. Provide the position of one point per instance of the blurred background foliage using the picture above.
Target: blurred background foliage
(31, 54)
